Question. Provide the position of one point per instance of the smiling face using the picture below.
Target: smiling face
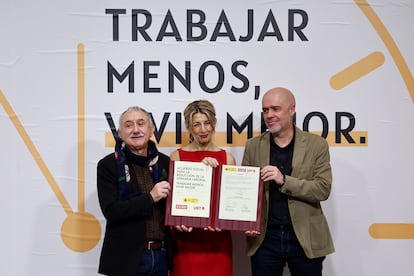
(201, 129)
(200, 121)
(278, 106)
(135, 129)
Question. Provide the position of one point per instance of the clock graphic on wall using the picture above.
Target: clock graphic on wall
(362, 68)
(81, 230)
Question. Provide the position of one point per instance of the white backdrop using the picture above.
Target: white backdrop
(348, 63)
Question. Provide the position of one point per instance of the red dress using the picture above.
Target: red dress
(202, 252)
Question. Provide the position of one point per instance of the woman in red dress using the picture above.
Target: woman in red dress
(202, 251)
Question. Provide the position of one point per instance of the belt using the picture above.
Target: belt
(154, 245)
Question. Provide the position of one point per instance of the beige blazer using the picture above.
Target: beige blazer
(308, 185)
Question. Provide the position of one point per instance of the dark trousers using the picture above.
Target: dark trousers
(281, 247)
(154, 263)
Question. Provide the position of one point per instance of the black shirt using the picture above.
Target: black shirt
(278, 202)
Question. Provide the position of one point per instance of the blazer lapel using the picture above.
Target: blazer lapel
(264, 159)
(264, 150)
(298, 152)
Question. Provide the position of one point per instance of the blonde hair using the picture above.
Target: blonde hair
(200, 106)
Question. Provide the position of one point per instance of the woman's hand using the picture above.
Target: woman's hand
(210, 161)
(252, 233)
(183, 228)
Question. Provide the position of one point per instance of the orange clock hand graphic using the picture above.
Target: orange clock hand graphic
(81, 230)
(360, 69)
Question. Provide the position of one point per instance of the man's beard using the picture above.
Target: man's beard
(275, 129)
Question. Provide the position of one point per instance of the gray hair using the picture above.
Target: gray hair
(136, 108)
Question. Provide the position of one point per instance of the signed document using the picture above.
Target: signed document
(227, 197)
(238, 187)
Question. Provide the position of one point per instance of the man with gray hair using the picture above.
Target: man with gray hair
(132, 188)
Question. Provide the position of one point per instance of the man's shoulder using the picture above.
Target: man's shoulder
(163, 156)
(311, 137)
(108, 158)
(258, 138)
(163, 159)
